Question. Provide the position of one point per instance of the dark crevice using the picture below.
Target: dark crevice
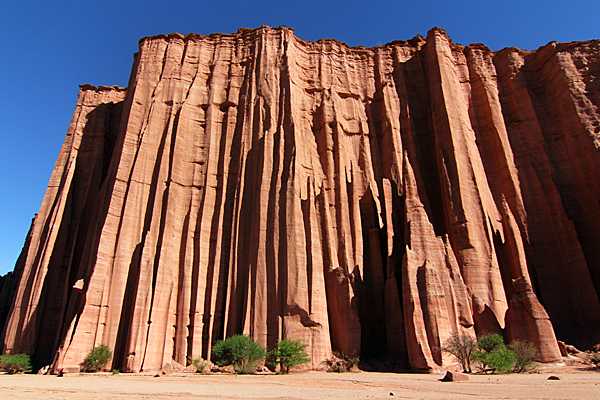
(305, 207)
(182, 340)
(371, 301)
(414, 81)
(124, 336)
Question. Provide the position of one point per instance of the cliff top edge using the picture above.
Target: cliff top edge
(88, 86)
(416, 41)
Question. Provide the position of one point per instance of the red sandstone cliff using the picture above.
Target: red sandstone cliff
(369, 200)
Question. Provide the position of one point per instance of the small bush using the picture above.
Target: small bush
(501, 360)
(461, 347)
(240, 351)
(340, 362)
(490, 342)
(15, 363)
(202, 366)
(493, 356)
(525, 353)
(96, 359)
(290, 353)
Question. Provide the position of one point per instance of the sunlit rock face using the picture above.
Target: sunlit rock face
(371, 201)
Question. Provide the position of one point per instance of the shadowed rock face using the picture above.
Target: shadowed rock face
(368, 200)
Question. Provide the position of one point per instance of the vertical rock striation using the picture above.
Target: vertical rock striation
(371, 201)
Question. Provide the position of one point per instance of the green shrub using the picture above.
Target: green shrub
(501, 359)
(525, 353)
(493, 356)
(461, 347)
(15, 363)
(96, 359)
(240, 351)
(290, 353)
(490, 342)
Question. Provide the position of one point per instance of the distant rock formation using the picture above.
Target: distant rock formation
(371, 201)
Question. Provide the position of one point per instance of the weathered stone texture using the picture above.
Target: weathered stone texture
(365, 200)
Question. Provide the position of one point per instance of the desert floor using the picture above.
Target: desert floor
(574, 384)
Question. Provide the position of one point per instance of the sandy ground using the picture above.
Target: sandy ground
(574, 384)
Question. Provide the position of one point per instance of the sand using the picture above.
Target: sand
(574, 384)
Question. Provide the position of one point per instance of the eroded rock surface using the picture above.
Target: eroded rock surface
(367, 200)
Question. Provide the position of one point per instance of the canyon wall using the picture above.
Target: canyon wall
(370, 201)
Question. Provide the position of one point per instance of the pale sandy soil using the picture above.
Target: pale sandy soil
(574, 384)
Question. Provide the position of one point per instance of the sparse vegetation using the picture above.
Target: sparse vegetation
(525, 353)
(341, 362)
(241, 352)
(500, 360)
(290, 353)
(96, 359)
(492, 355)
(202, 366)
(490, 342)
(489, 353)
(15, 363)
(461, 347)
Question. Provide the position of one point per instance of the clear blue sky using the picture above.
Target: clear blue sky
(48, 48)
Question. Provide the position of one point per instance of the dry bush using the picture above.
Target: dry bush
(526, 354)
(461, 347)
(341, 362)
